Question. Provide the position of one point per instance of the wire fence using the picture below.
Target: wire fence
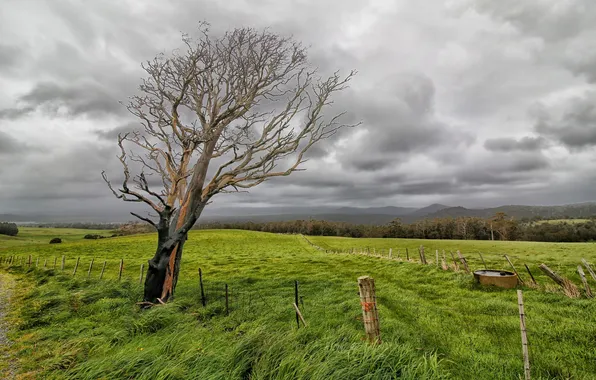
(485, 332)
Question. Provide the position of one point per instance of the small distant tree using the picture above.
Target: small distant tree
(224, 114)
(10, 229)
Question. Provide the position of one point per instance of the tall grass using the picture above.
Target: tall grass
(434, 324)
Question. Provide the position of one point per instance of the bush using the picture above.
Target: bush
(56, 241)
(9, 229)
(92, 236)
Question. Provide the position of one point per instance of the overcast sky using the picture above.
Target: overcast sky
(462, 102)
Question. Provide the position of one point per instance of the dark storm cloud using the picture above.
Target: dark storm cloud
(509, 144)
(431, 87)
(112, 134)
(399, 121)
(89, 99)
(575, 127)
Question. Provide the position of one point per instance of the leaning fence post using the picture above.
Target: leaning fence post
(482, 258)
(203, 301)
(463, 261)
(407, 254)
(582, 275)
(45, 261)
(524, 337)
(589, 268)
(55, 259)
(120, 270)
(90, 267)
(76, 266)
(296, 301)
(530, 273)
(103, 268)
(515, 271)
(370, 314)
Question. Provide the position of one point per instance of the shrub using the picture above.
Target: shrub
(9, 229)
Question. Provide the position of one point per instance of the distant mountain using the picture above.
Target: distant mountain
(356, 215)
(435, 207)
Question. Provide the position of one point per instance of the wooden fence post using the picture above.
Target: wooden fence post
(524, 337)
(296, 302)
(370, 314)
(227, 301)
(76, 266)
(203, 300)
(103, 268)
(29, 261)
(482, 258)
(455, 266)
(55, 259)
(531, 276)
(45, 261)
(390, 252)
(142, 273)
(90, 267)
(120, 270)
(582, 275)
(62, 265)
(437, 257)
(407, 254)
(37, 262)
(421, 253)
(589, 268)
(514, 270)
(569, 288)
(463, 261)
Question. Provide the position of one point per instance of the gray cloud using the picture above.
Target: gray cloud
(575, 126)
(89, 99)
(439, 92)
(509, 144)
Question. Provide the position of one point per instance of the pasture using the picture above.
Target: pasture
(435, 324)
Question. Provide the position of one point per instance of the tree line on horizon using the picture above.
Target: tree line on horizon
(499, 227)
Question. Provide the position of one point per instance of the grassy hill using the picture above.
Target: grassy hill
(434, 324)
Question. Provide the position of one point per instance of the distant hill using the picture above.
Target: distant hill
(355, 215)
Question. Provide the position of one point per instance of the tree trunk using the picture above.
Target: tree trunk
(156, 273)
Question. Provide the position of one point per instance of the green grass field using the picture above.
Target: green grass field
(434, 324)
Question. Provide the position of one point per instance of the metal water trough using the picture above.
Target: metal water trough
(500, 278)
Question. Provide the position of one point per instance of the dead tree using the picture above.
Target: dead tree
(223, 114)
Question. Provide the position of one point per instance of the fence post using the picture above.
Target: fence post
(370, 314)
(45, 261)
(141, 274)
(55, 259)
(530, 273)
(422, 257)
(102, 270)
(524, 337)
(455, 266)
(76, 266)
(296, 302)
(120, 270)
(515, 271)
(29, 261)
(90, 267)
(390, 252)
(62, 265)
(589, 268)
(482, 258)
(437, 257)
(227, 301)
(407, 254)
(463, 261)
(582, 275)
(37, 262)
(203, 301)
